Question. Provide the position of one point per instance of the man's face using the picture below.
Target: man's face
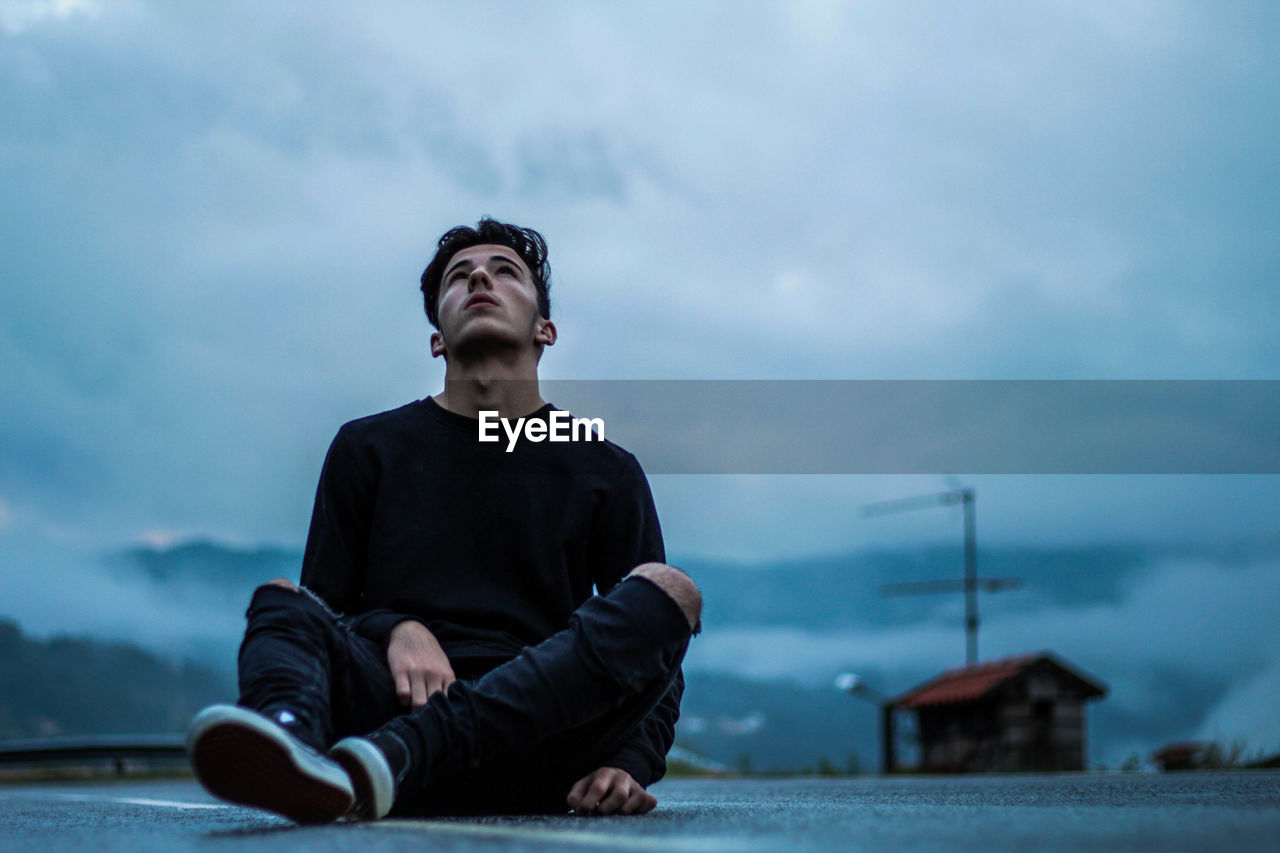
(487, 297)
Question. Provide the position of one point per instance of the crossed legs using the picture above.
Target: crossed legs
(598, 678)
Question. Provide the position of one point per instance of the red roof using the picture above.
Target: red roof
(973, 682)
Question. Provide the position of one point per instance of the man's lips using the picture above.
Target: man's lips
(478, 300)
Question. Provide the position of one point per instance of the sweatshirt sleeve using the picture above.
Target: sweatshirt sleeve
(627, 533)
(644, 755)
(335, 558)
(335, 561)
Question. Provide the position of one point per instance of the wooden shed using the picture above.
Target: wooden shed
(1018, 713)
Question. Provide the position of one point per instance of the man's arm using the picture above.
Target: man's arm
(335, 564)
(627, 534)
(644, 755)
(335, 560)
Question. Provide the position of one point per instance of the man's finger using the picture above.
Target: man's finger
(617, 796)
(635, 802)
(588, 792)
(404, 691)
(578, 791)
(420, 692)
(597, 791)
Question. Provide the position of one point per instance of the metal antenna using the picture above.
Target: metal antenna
(970, 585)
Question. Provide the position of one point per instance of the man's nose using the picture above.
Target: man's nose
(479, 277)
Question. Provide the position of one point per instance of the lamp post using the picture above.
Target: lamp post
(849, 682)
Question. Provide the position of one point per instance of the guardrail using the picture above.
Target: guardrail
(114, 750)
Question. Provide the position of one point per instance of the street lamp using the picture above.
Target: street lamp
(852, 683)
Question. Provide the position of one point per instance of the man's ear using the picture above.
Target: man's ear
(437, 345)
(545, 333)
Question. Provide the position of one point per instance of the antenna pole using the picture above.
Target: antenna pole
(965, 496)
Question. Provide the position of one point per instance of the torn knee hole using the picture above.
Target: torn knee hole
(678, 585)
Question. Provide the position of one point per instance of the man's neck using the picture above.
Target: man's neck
(509, 388)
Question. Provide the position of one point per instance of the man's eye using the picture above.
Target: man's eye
(506, 269)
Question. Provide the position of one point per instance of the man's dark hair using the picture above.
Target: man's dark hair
(525, 242)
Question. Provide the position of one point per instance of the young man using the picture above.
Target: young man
(445, 654)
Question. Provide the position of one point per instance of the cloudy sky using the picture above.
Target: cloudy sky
(214, 217)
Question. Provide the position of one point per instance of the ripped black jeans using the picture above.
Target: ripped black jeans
(507, 739)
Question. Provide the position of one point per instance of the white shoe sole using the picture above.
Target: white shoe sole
(370, 776)
(244, 758)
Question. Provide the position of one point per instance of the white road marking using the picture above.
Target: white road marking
(141, 801)
(587, 838)
(172, 804)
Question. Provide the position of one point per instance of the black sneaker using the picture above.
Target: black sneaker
(242, 757)
(376, 765)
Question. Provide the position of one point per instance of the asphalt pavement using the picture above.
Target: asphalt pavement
(1196, 811)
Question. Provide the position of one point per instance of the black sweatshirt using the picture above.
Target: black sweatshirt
(415, 518)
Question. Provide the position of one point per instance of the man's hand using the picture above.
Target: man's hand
(610, 790)
(418, 664)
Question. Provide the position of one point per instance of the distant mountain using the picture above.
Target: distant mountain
(210, 562)
(832, 591)
(77, 685)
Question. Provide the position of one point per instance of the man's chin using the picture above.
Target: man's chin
(484, 339)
